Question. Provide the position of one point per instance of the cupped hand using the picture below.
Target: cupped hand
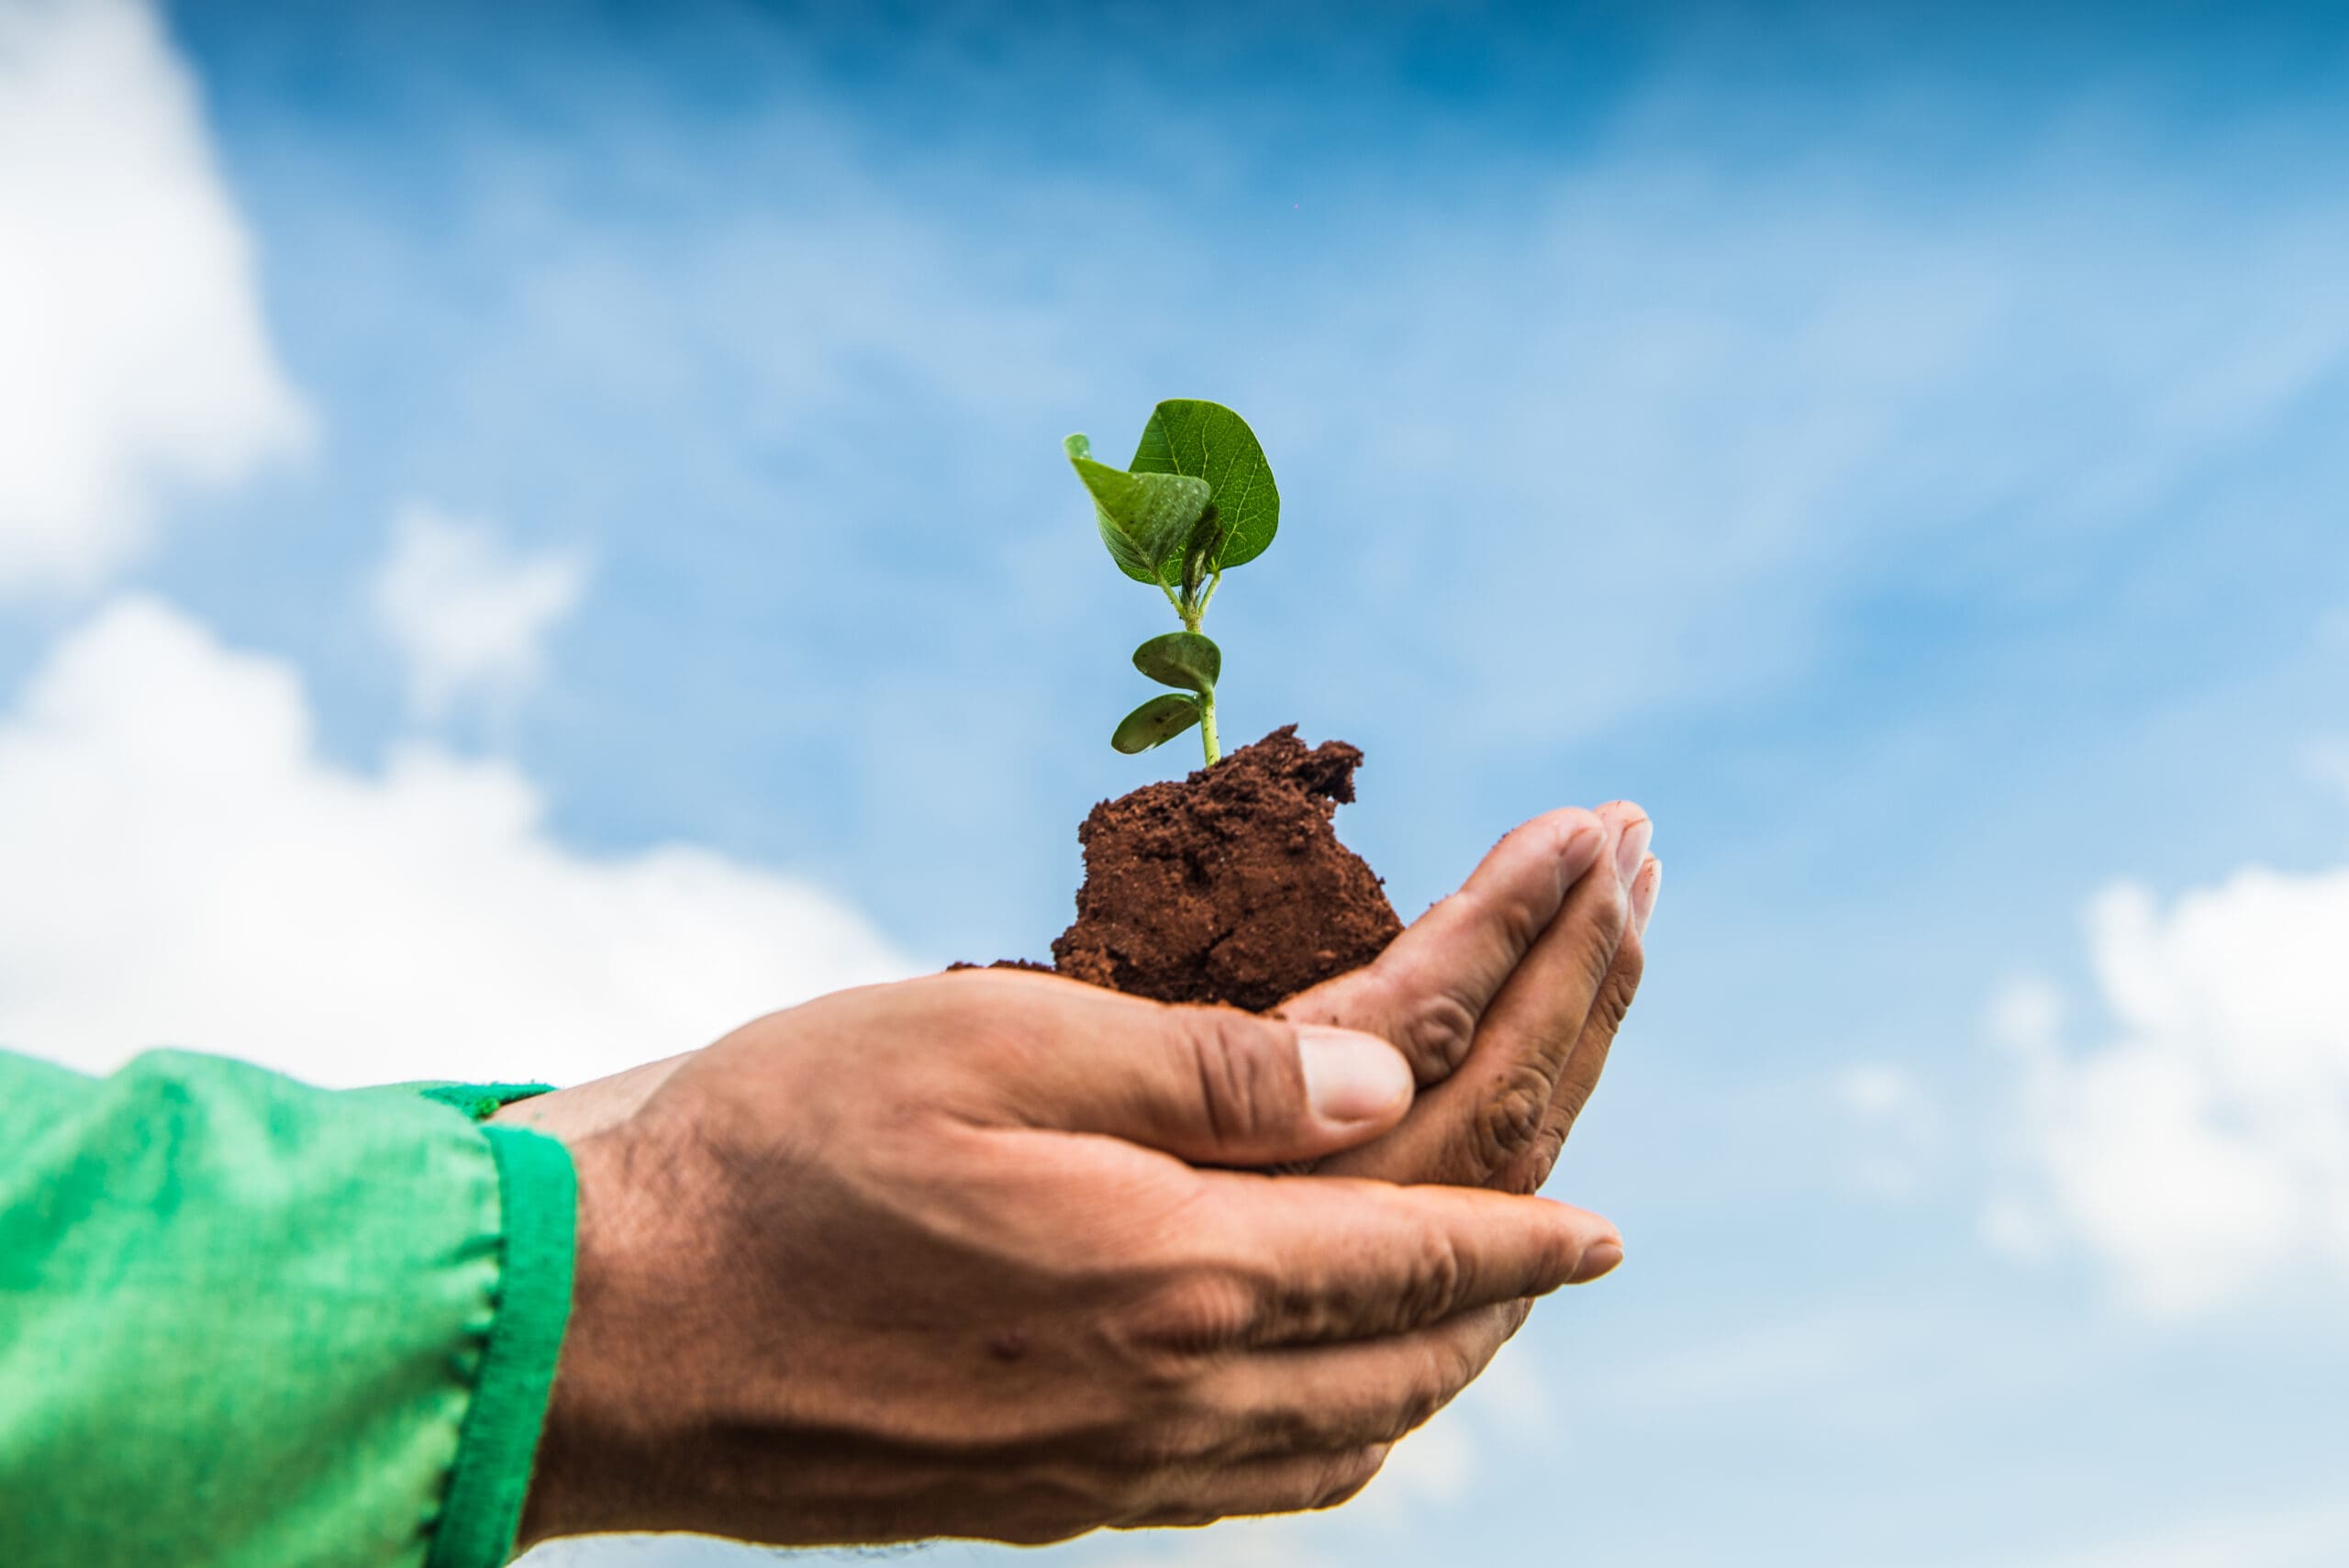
(954, 1257)
(1505, 997)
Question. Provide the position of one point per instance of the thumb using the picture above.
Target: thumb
(1219, 1086)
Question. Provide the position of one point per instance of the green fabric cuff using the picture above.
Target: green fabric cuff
(481, 1101)
(498, 1443)
(245, 1320)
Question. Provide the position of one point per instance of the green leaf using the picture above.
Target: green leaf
(1155, 722)
(1145, 518)
(1186, 659)
(1189, 436)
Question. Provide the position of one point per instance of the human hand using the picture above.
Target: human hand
(1505, 997)
(937, 1258)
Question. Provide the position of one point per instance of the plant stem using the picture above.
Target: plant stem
(1194, 610)
(1209, 597)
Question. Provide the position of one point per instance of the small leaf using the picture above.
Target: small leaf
(1185, 659)
(1145, 518)
(1188, 435)
(1155, 722)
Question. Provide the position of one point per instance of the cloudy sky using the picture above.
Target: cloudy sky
(530, 535)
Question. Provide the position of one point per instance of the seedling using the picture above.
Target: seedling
(1197, 499)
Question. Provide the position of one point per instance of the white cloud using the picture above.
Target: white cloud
(137, 359)
(2203, 1151)
(469, 614)
(183, 867)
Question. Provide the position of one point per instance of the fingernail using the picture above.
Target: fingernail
(1352, 1077)
(1644, 893)
(1633, 847)
(1599, 1258)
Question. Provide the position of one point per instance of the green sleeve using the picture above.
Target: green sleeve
(245, 1322)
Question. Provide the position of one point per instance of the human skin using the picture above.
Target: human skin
(1504, 1000)
(1507, 994)
(969, 1256)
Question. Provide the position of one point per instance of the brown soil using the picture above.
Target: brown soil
(1229, 885)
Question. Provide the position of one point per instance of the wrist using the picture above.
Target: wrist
(583, 1111)
(571, 1483)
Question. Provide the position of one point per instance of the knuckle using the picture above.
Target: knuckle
(1434, 1030)
(1631, 964)
(1495, 1325)
(1435, 1286)
(1199, 1314)
(1513, 1317)
(1456, 1367)
(1512, 1115)
(1528, 1173)
(1418, 1412)
(1347, 1475)
(1594, 956)
(1520, 922)
(1615, 993)
(1443, 1378)
(1574, 1090)
(1164, 1443)
(1249, 1085)
(1573, 1094)
(1066, 1500)
(1174, 1516)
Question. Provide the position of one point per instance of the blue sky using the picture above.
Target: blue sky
(1898, 445)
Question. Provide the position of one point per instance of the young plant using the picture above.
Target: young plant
(1197, 499)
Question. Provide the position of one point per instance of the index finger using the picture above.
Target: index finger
(1344, 1259)
(1428, 990)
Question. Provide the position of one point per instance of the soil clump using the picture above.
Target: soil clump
(1229, 885)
